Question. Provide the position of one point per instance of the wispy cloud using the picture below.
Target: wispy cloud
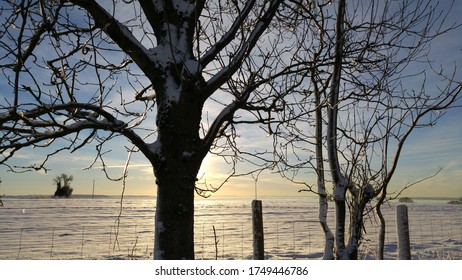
(123, 166)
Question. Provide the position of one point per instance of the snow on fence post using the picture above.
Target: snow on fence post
(257, 227)
(402, 223)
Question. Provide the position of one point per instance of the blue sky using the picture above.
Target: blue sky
(425, 152)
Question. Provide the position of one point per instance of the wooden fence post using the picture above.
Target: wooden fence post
(402, 223)
(257, 227)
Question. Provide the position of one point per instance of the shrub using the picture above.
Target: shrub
(406, 200)
(456, 201)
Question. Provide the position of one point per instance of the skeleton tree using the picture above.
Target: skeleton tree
(374, 110)
(80, 72)
(367, 90)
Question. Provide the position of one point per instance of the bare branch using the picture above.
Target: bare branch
(225, 74)
(121, 35)
(229, 36)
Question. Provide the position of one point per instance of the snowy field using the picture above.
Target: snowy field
(92, 229)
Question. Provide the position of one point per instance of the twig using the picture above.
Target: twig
(124, 177)
(216, 242)
(133, 249)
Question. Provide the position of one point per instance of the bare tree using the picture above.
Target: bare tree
(363, 100)
(79, 73)
(63, 185)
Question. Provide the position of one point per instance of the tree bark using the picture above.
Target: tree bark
(174, 231)
(178, 156)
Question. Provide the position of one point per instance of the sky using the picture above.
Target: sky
(425, 153)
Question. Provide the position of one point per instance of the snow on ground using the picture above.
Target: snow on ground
(91, 229)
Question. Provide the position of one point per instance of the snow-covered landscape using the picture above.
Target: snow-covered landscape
(92, 229)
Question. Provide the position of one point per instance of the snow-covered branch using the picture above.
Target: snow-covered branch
(40, 125)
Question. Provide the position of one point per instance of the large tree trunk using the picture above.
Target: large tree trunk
(174, 224)
(178, 157)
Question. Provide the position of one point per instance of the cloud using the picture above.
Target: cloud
(124, 165)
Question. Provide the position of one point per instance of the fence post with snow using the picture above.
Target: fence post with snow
(257, 227)
(402, 224)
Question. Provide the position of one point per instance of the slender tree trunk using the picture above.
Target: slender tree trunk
(339, 181)
(328, 236)
(356, 222)
(361, 197)
(340, 214)
(322, 194)
(382, 233)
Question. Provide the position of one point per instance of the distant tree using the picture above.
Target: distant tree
(63, 188)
